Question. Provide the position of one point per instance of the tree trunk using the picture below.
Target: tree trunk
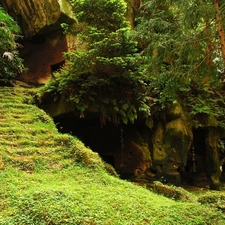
(220, 28)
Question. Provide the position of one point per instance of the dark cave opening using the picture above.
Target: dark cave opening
(105, 140)
(197, 150)
(195, 170)
(110, 159)
(57, 66)
(38, 39)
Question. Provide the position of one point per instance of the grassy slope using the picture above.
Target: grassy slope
(50, 178)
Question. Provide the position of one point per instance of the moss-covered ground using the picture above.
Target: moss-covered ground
(52, 178)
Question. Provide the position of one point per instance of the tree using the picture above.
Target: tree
(219, 8)
(182, 56)
(10, 62)
(104, 77)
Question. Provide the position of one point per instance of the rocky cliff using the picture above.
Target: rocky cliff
(37, 17)
(44, 41)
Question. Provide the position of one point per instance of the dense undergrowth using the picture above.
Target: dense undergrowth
(52, 178)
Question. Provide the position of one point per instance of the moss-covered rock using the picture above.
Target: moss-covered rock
(171, 142)
(136, 158)
(212, 158)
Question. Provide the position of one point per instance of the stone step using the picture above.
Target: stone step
(14, 105)
(30, 150)
(28, 142)
(29, 131)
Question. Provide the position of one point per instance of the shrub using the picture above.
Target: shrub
(10, 62)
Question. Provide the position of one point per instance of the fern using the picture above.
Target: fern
(10, 62)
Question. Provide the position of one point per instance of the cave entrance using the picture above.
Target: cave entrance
(57, 66)
(38, 39)
(196, 160)
(105, 140)
(110, 159)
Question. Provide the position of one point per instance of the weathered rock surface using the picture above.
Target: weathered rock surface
(44, 41)
(212, 158)
(39, 16)
(173, 151)
(42, 56)
(171, 142)
(135, 157)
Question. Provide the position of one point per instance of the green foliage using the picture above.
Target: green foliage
(204, 104)
(177, 59)
(80, 195)
(181, 55)
(10, 62)
(104, 77)
(216, 200)
(173, 192)
(175, 36)
(101, 14)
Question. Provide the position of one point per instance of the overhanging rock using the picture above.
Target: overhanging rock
(44, 40)
(39, 16)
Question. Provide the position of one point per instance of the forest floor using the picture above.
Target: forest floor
(52, 178)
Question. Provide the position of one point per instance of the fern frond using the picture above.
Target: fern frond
(9, 55)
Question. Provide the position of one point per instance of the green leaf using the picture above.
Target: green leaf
(116, 108)
(125, 106)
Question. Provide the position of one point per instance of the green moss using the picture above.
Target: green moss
(51, 178)
(29, 138)
(66, 8)
(173, 192)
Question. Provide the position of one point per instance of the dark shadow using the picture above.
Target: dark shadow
(110, 159)
(38, 39)
(195, 170)
(57, 66)
(105, 140)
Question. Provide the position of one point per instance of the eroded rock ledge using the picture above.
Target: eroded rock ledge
(39, 16)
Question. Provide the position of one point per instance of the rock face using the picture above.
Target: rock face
(38, 16)
(171, 144)
(172, 151)
(213, 158)
(135, 156)
(44, 41)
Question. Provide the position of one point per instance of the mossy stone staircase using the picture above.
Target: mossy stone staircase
(29, 139)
